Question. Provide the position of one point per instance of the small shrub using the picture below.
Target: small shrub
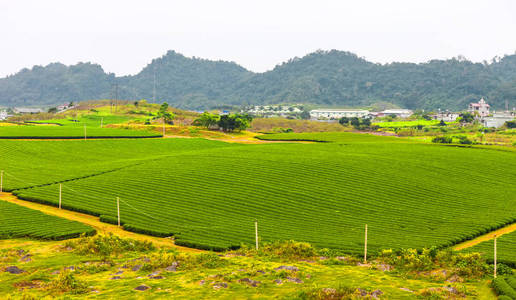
(442, 140)
(66, 282)
(503, 269)
(290, 250)
(342, 292)
(107, 245)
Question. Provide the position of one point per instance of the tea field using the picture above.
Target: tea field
(208, 194)
(18, 221)
(506, 249)
(69, 132)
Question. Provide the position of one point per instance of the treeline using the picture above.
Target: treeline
(326, 78)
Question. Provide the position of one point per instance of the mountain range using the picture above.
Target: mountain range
(322, 78)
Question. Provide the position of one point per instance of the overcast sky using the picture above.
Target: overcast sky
(124, 36)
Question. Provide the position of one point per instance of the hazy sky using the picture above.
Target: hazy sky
(123, 36)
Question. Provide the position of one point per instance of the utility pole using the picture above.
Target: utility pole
(163, 126)
(256, 232)
(101, 121)
(118, 209)
(495, 256)
(60, 195)
(84, 131)
(365, 245)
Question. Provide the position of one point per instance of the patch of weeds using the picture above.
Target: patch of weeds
(284, 250)
(22, 296)
(66, 282)
(108, 245)
(339, 293)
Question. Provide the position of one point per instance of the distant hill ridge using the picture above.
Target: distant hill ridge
(329, 78)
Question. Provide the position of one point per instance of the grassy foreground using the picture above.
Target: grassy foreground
(108, 267)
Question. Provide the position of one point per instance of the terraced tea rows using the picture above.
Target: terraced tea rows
(32, 163)
(506, 249)
(70, 132)
(505, 287)
(18, 221)
(409, 194)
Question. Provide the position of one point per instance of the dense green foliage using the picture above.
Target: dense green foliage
(506, 249)
(323, 78)
(208, 194)
(18, 221)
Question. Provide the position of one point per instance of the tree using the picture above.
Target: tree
(230, 123)
(305, 115)
(135, 103)
(510, 124)
(466, 117)
(164, 114)
(206, 120)
(344, 121)
(355, 122)
(52, 110)
(442, 123)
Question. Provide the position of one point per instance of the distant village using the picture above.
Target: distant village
(481, 110)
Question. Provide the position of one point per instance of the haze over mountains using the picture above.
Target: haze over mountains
(324, 78)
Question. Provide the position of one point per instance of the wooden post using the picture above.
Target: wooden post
(84, 131)
(118, 209)
(1, 181)
(495, 256)
(101, 121)
(60, 190)
(256, 232)
(163, 127)
(365, 245)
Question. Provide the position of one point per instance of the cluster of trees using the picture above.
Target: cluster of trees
(323, 78)
(228, 123)
(358, 123)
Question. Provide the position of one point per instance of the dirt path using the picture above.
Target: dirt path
(485, 237)
(93, 222)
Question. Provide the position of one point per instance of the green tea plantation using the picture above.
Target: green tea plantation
(208, 194)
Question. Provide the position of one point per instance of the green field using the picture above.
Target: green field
(208, 194)
(506, 249)
(18, 221)
(69, 132)
(89, 120)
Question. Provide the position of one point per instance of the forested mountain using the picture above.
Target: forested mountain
(329, 78)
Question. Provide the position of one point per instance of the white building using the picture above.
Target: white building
(338, 113)
(401, 113)
(23, 110)
(481, 108)
(3, 115)
(498, 119)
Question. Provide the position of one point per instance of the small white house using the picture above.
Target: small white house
(338, 113)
